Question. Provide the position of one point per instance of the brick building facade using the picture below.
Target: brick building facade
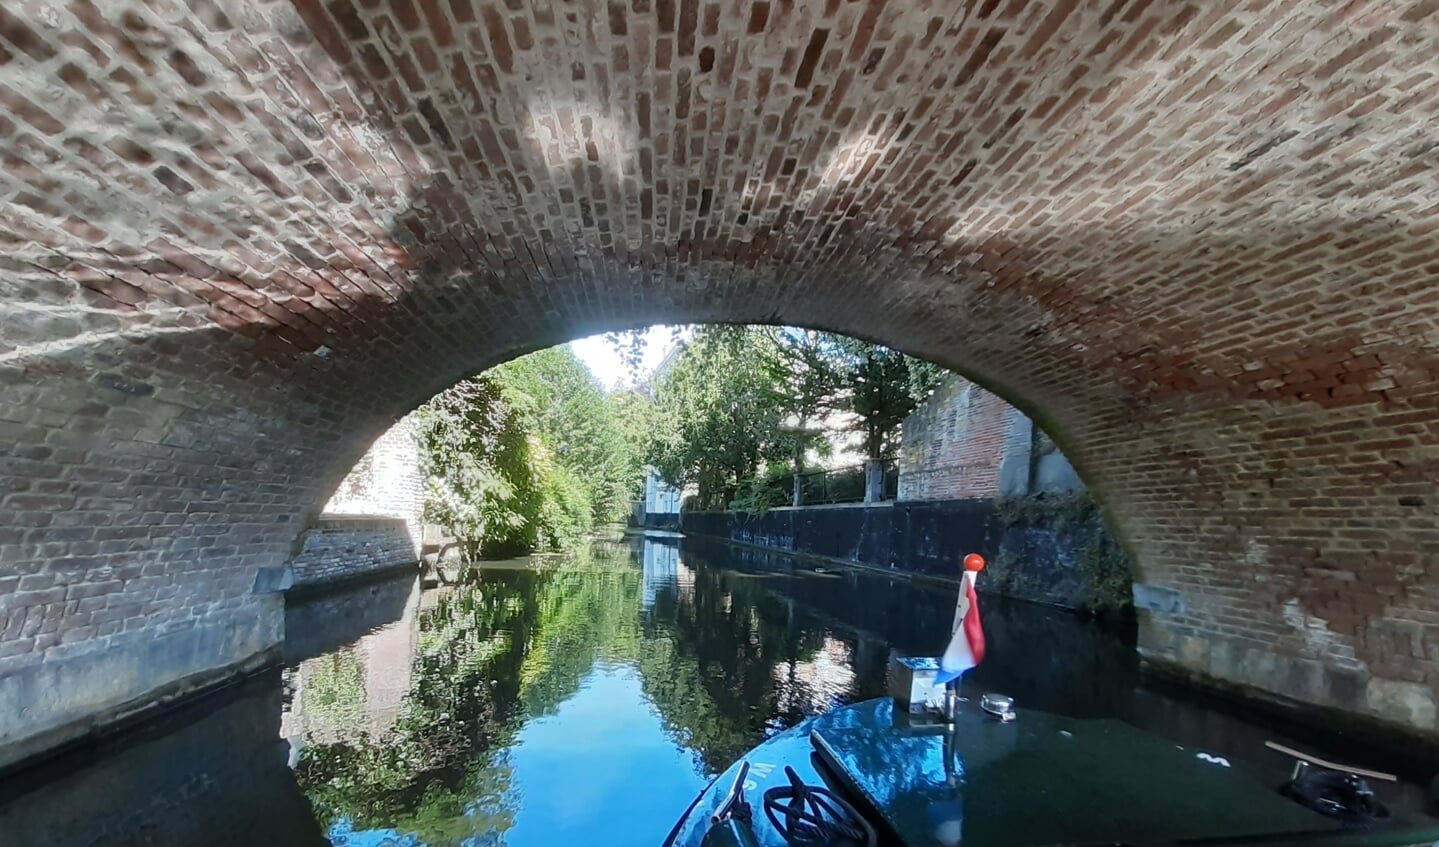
(965, 442)
(387, 481)
(955, 443)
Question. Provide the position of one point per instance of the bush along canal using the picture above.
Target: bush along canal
(580, 699)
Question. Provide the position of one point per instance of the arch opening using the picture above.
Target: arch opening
(739, 420)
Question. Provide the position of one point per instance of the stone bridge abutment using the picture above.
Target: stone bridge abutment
(1195, 241)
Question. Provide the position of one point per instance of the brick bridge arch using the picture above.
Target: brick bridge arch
(1197, 240)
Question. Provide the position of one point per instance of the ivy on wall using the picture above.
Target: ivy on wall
(1102, 566)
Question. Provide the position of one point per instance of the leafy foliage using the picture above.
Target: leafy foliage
(633, 414)
(716, 415)
(884, 387)
(806, 370)
(530, 455)
(762, 492)
(738, 403)
(559, 399)
(473, 454)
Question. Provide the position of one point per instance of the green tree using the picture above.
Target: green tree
(717, 413)
(633, 412)
(742, 407)
(475, 458)
(558, 398)
(884, 386)
(806, 371)
(530, 455)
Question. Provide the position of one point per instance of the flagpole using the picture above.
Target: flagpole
(971, 565)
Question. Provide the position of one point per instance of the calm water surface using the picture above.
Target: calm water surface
(575, 700)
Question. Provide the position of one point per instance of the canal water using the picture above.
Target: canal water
(583, 699)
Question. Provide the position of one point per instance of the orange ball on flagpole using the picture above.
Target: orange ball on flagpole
(974, 562)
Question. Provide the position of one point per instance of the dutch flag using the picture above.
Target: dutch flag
(966, 645)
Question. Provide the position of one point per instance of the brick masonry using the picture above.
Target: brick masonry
(1194, 240)
(954, 443)
(387, 481)
(964, 442)
(342, 547)
(372, 522)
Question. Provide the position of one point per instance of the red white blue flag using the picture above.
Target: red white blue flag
(966, 644)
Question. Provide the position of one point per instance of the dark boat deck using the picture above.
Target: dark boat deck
(1040, 780)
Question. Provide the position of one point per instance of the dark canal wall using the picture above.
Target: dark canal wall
(1051, 549)
(213, 772)
(662, 520)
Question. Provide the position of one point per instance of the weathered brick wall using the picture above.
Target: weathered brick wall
(964, 442)
(1194, 240)
(954, 443)
(342, 547)
(386, 481)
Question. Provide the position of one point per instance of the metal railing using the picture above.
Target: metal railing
(846, 484)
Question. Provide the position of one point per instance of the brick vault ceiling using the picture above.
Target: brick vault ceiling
(1178, 195)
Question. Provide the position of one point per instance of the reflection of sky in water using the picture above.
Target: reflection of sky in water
(595, 772)
(341, 835)
(600, 694)
(592, 773)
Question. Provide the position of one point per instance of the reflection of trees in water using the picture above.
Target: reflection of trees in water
(588, 617)
(334, 692)
(418, 776)
(490, 655)
(1051, 660)
(1045, 658)
(718, 665)
(730, 660)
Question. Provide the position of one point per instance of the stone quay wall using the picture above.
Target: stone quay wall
(1055, 550)
(343, 547)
